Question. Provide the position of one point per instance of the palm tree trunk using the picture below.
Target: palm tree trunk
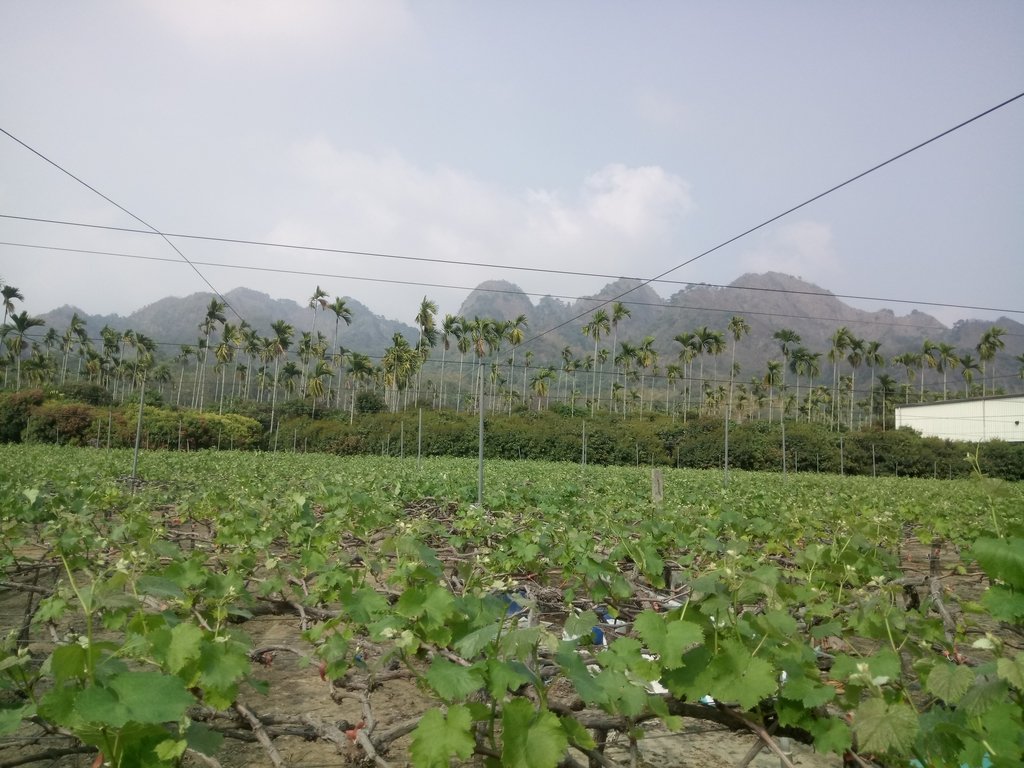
(458, 394)
(223, 374)
(853, 374)
(511, 379)
(440, 399)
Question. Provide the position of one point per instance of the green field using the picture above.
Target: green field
(877, 616)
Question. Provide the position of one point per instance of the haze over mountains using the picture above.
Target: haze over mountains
(768, 302)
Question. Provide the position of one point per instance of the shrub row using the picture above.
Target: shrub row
(656, 440)
(28, 416)
(552, 436)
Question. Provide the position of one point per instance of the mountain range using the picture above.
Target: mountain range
(768, 301)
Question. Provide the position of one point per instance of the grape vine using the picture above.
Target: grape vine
(879, 620)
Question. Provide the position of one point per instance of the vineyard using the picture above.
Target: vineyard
(229, 609)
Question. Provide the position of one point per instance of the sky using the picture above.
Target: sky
(607, 138)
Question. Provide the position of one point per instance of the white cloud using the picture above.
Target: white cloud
(801, 248)
(638, 202)
(619, 220)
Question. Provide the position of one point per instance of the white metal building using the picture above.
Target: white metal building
(982, 418)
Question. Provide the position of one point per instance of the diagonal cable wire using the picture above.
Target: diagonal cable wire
(518, 291)
(150, 228)
(453, 262)
(785, 213)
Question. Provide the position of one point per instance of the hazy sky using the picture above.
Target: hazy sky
(602, 137)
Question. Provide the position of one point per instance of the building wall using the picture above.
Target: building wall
(969, 420)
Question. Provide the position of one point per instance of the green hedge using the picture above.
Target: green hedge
(74, 423)
(15, 409)
(62, 423)
(650, 439)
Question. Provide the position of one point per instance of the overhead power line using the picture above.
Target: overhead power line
(150, 229)
(506, 291)
(459, 263)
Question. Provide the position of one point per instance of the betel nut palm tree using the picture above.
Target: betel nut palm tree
(426, 322)
(989, 345)
(317, 301)
(10, 295)
(514, 335)
(968, 367)
(946, 360)
(872, 359)
(737, 327)
(277, 348)
(449, 331)
(341, 312)
(788, 339)
(599, 325)
(20, 324)
(214, 315)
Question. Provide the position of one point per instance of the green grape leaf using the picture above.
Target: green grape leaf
(203, 739)
(830, 735)
(365, 604)
(883, 727)
(752, 682)
(439, 736)
(58, 705)
(471, 644)
(503, 676)
(578, 735)
(170, 750)
(1001, 732)
(10, 719)
(159, 586)
(810, 693)
(736, 675)
(877, 669)
(1012, 671)
(531, 739)
(453, 681)
(780, 623)
(623, 694)
(949, 682)
(99, 704)
(669, 639)
(10, 662)
(410, 604)
(152, 697)
(1002, 559)
(983, 695)
(221, 667)
(185, 646)
(826, 629)
(437, 606)
(659, 707)
(574, 668)
(67, 661)
(580, 626)
(1004, 604)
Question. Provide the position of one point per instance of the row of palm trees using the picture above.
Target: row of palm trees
(233, 361)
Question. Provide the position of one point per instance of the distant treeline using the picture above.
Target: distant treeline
(82, 415)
